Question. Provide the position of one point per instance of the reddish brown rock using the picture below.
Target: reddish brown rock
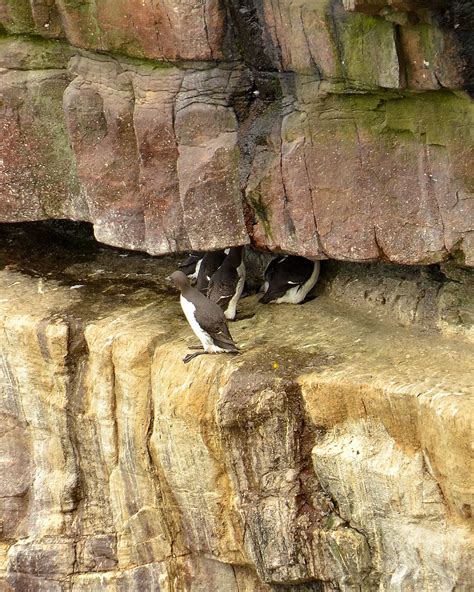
(100, 125)
(206, 131)
(367, 179)
(157, 154)
(37, 168)
(335, 158)
(167, 29)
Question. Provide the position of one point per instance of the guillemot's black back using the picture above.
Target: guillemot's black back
(289, 278)
(227, 282)
(209, 265)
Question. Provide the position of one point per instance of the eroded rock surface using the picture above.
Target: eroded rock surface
(332, 453)
(330, 129)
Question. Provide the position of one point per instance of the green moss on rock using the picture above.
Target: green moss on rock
(368, 51)
(443, 117)
(18, 17)
(56, 173)
(261, 211)
(33, 53)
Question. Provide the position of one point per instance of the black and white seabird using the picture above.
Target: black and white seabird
(226, 284)
(289, 279)
(209, 264)
(206, 318)
(190, 266)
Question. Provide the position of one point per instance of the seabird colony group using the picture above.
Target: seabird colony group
(219, 278)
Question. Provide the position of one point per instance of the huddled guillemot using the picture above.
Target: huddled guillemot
(209, 264)
(226, 284)
(190, 266)
(206, 318)
(289, 279)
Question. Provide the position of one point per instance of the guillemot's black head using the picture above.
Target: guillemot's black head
(180, 280)
(234, 258)
(188, 265)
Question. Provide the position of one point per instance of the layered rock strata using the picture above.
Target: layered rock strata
(336, 458)
(327, 129)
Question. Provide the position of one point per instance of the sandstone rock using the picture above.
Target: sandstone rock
(337, 458)
(373, 473)
(325, 129)
(37, 166)
(17, 472)
(166, 29)
(346, 168)
(147, 176)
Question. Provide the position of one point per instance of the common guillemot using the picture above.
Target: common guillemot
(226, 284)
(190, 266)
(206, 318)
(289, 279)
(209, 265)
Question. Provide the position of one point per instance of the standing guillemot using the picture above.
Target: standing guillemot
(289, 279)
(206, 319)
(226, 284)
(190, 266)
(209, 264)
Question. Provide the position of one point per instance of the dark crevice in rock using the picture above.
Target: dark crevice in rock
(253, 41)
(75, 362)
(402, 66)
(458, 15)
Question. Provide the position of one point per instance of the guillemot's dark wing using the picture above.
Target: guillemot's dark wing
(272, 267)
(211, 319)
(222, 286)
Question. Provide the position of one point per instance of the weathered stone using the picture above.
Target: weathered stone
(166, 29)
(309, 139)
(410, 295)
(16, 472)
(337, 458)
(37, 165)
(16, 17)
(373, 472)
(337, 174)
(23, 53)
(284, 509)
(147, 176)
(431, 57)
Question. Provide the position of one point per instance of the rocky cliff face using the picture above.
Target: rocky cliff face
(331, 454)
(334, 452)
(326, 128)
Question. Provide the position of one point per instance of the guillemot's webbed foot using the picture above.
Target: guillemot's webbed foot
(197, 347)
(190, 357)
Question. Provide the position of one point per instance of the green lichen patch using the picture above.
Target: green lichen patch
(261, 211)
(55, 170)
(18, 18)
(33, 53)
(142, 63)
(368, 51)
(82, 17)
(443, 117)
